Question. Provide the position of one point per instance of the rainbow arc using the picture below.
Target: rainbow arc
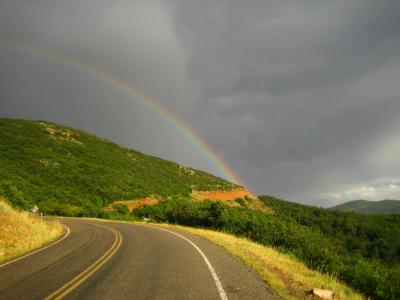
(136, 94)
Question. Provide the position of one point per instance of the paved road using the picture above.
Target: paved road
(110, 260)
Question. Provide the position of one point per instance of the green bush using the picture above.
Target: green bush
(13, 195)
(121, 208)
(240, 201)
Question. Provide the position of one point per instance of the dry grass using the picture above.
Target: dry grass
(289, 277)
(20, 232)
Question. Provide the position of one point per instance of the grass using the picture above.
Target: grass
(290, 278)
(22, 233)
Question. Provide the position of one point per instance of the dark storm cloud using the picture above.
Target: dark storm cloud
(301, 97)
(301, 89)
(125, 38)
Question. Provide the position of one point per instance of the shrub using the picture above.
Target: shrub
(121, 208)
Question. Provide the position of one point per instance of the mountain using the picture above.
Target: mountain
(61, 169)
(370, 207)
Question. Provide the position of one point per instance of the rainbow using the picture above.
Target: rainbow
(135, 93)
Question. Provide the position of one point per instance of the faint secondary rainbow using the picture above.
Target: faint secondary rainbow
(137, 94)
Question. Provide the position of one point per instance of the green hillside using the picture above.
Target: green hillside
(370, 207)
(61, 168)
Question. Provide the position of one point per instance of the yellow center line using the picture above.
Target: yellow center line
(78, 280)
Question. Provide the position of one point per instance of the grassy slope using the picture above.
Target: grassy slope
(59, 168)
(21, 233)
(371, 207)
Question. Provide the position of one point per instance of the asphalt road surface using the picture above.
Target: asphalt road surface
(112, 260)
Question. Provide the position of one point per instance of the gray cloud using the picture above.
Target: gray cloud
(300, 97)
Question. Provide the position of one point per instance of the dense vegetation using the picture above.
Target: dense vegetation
(367, 246)
(387, 207)
(68, 171)
(362, 250)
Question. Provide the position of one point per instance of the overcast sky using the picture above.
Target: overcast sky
(301, 98)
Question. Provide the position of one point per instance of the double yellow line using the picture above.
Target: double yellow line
(78, 280)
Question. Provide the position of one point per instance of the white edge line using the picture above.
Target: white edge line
(218, 283)
(36, 251)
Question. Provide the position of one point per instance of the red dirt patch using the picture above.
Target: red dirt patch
(221, 195)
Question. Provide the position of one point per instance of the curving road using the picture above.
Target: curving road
(113, 260)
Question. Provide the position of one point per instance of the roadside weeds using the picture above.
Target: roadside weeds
(286, 275)
(22, 233)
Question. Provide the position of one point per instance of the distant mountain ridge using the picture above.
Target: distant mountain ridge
(370, 207)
